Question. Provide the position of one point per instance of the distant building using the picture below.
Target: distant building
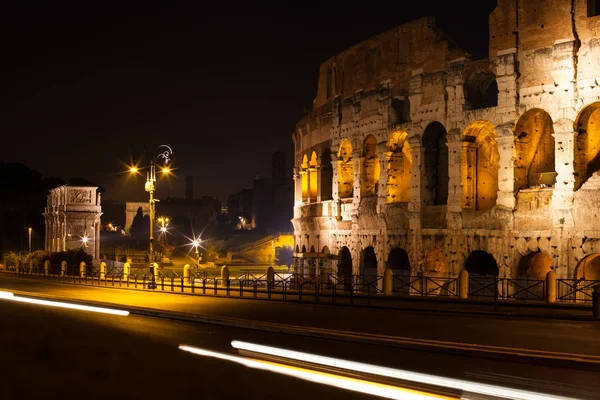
(268, 205)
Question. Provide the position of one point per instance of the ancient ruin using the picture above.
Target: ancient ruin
(418, 159)
(73, 219)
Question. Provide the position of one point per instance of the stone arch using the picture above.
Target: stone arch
(534, 148)
(481, 263)
(480, 90)
(589, 268)
(534, 265)
(345, 267)
(368, 269)
(481, 163)
(325, 250)
(587, 143)
(297, 249)
(345, 171)
(435, 164)
(326, 175)
(313, 184)
(303, 249)
(398, 168)
(305, 178)
(370, 170)
(312, 249)
(399, 262)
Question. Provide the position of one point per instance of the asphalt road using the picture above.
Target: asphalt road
(58, 354)
(579, 337)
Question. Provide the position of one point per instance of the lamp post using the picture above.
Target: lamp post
(29, 230)
(163, 152)
(196, 243)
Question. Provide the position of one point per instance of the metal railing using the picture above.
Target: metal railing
(327, 288)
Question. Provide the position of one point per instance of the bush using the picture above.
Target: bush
(11, 260)
(72, 257)
(37, 258)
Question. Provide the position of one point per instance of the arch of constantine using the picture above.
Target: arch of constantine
(419, 159)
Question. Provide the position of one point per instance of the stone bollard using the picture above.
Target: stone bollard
(47, 267)
(186, 273)
(126, 270)
(388, 282)
(551, 287)
(323, 275)
(224, 275)
(102, 270)
(270, 276)
(463, 284)
(82, 269)
(63, 268)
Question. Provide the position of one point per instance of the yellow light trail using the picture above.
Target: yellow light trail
(357, 385)
(458, 384)
(11, 296)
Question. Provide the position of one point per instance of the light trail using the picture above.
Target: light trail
(465, 386)
(357, 385)
(12, 297)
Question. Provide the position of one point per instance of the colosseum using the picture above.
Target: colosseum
(418, 159)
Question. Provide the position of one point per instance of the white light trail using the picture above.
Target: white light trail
(357, 385)
(467, 386)
(11, 296)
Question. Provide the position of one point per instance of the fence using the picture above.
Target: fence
(283, 285)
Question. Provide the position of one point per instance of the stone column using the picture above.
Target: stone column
(297, 188)
(358, 166)
(564, 154)
(384, 158)
(416, 183)
(319, 182)
(455, 192)
(97, 241)
(334, 181)
(506, 173)
(469, 175)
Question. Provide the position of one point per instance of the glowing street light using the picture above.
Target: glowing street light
(163, 152)
(196, 243)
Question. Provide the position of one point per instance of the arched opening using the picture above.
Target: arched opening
(305, 179)
(534, 147)
(345, 171)
(531, 273)
(483, 272)
(587, 144)
(368, 269)
(481, 90)
(399, 168)
(399, 263)
(303, 249)
(588, 269)
(326, 175)
(481, 165)
(297, 249)
(345, 267)
(312, 249)
(399, 111)
(481, 263)
(370, 174)
(313, 184)
(435, 164)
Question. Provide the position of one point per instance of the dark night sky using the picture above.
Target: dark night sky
(81, 83)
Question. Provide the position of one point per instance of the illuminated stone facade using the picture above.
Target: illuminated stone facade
(419, 159)
(73, 219)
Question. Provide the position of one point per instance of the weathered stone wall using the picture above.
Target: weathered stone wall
(440, 155)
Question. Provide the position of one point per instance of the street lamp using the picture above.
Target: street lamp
(164, 223)
(163, 152)
(196, 243)
(29, 230)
